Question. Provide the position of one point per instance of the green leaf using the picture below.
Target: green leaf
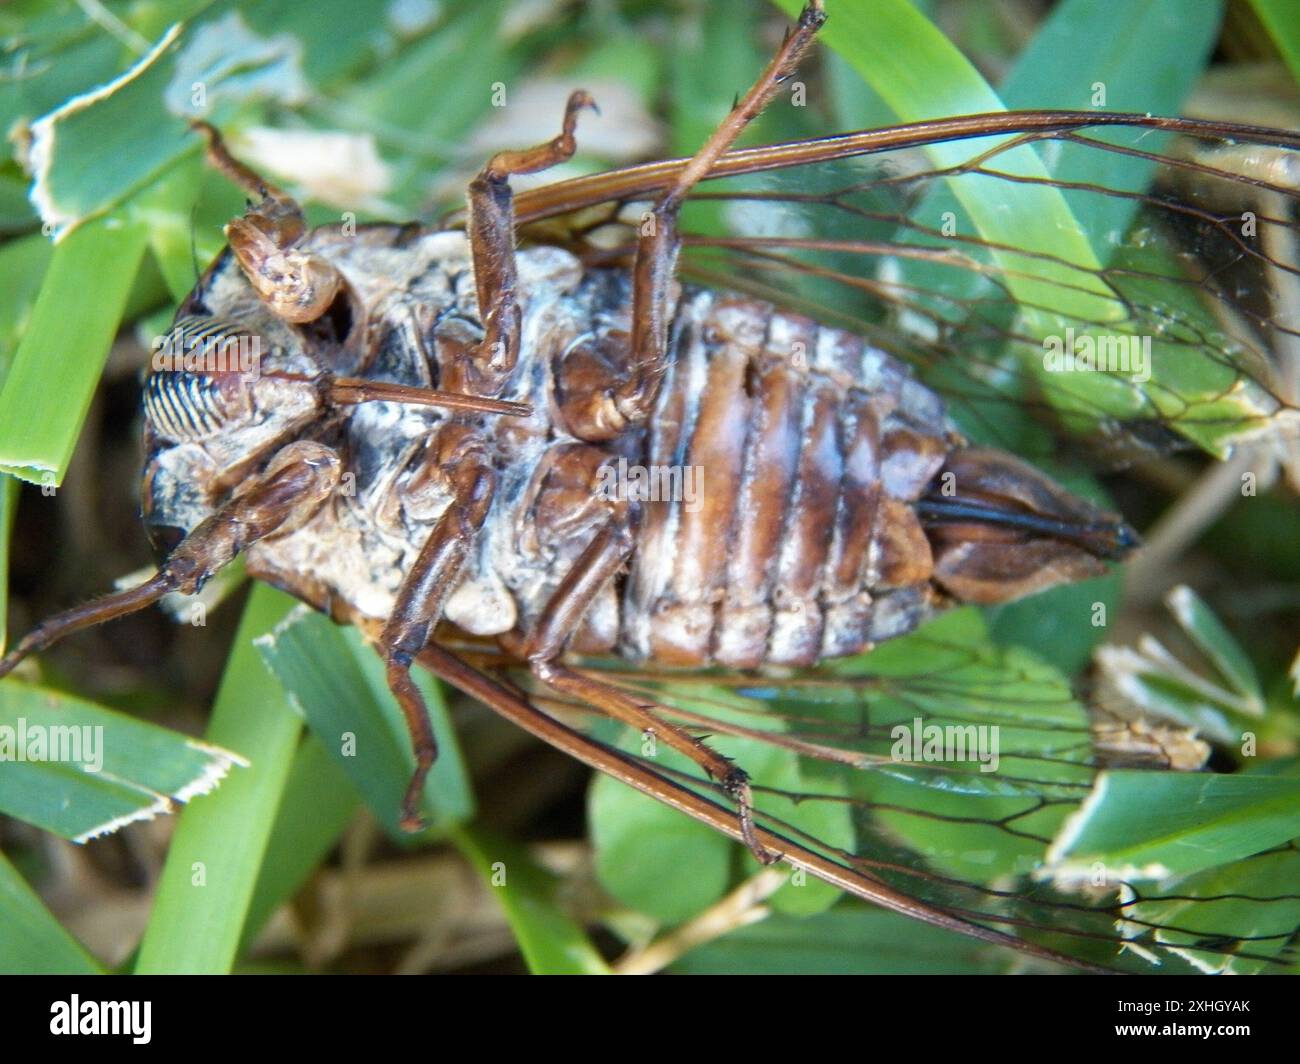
(135, 127)
(950, 675)
(551, 942)
(337, 682)
(71, 328)
(55, 57)
(1196, 908)
(636, 838)
(32, 942)
(1148, 826)
(650, 857)
(80, 771)
(216, 855)
(1279, 17)
(121, 125)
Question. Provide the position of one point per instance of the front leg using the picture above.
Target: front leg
(297, 285)
(492, 247)
(458, 458)
(284, 496)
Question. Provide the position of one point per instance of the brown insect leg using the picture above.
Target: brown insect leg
(659, 242)
(419, 603)
(491, 229)
(595, 567)
(299, 287)
(296, 482)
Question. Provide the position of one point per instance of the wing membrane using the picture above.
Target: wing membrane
(1177, 268)
(979, 840)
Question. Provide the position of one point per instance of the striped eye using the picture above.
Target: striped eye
(198, 381)
(183, 406)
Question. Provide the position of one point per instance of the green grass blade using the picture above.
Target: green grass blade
(1143, 825)
(22, 265)
(319, 801)
(551, 942)
(338, 683)
(32, 942)
(1209, 635)
(80, 771)
(8, 504)
(50, 385)
(216, 855)
(1118, 50)
(1200, 906)
(920, 74)
(1279, 18)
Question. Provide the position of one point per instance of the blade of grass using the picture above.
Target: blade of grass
(1048, 244)
(52, 380)
(80, 771)
(212, 867)
(1118, 50)
(551, 942)
(22, 264)
(8, 505)
(32, 941)
(319, 801)
(1144, 825)
(338, 683)
(921, 74)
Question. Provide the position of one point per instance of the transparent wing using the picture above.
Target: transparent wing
(965, 777)
(1128, 279)
(1075, 285)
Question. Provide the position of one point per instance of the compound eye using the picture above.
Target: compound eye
(198, 383)
(163, 539)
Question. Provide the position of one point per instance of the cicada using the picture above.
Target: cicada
(569, 454)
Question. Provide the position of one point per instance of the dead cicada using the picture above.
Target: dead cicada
(687, 482)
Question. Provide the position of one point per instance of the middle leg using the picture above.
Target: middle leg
(458, 456)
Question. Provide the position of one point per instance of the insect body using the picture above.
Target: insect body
(803, 540)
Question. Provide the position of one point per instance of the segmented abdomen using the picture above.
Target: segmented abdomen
(807, 448)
